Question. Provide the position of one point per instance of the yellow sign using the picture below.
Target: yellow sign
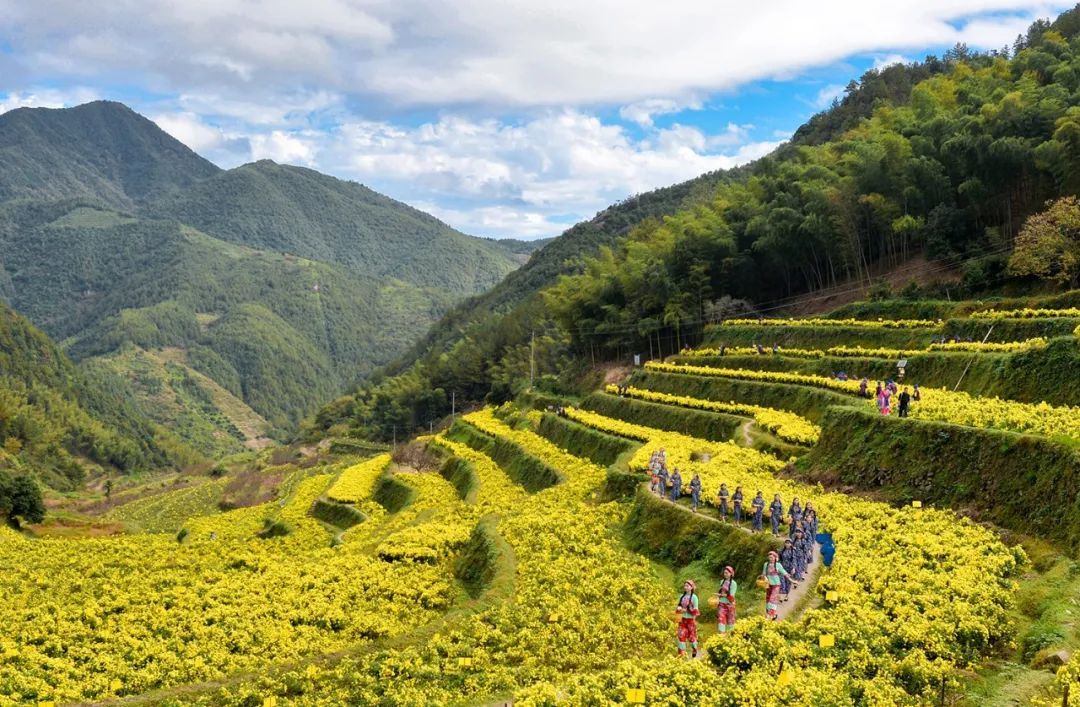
(826, 640)
(270, 701)
(916, 504)
(464, 662)
(46, 703)
(831, 595)
(784, 678)
(635, 696)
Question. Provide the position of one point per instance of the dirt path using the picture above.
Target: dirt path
(800, 599)
(744, 430)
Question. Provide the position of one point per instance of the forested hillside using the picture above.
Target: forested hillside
(56, 421)
(945, 159)
(101, 150)
(302, 212)
(100, 280)
(241, 300)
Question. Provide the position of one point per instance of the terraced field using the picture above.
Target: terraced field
(535, 565)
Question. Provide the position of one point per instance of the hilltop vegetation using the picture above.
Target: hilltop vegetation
(945, 159)
(103, 151)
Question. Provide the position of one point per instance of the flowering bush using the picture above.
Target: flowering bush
(936, 404)
(991, 347)
(750, 351)
(1026, 313)
(848, 386)
(786, 425)
(818, 322)
(357, 483)
(919, 595)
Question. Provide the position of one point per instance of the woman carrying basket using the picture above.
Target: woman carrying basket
(725, 608)
(687, 611)
(771, 573)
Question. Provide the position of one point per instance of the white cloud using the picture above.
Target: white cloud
(642, 112)
(522, 179)
(827, 95)
(325, 82)
(190, 129)
(281, 146)
(733, 135)
(46, 98)
(889, 59)
(643, 55)
(497, 221)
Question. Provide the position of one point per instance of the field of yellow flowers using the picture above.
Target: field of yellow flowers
(786, 425)
(374, 614)
(875, 351)
(936, 404)
(914, 595)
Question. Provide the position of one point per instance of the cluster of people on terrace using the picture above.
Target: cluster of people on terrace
(888, 392)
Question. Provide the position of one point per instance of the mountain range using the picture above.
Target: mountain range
(230, 302)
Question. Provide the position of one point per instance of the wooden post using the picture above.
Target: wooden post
(942, 702)
(1065, 696)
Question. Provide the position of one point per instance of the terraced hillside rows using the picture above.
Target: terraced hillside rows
(527, 559)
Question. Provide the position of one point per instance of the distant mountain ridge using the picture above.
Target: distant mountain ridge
(302, 212)
(268, 286)
(102, 150)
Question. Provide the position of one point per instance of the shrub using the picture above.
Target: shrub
(20, 497)
(274, 529)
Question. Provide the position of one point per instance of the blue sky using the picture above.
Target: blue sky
(505, 118)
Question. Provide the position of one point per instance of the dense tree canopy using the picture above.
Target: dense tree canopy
(1049, 244)
(953, 172)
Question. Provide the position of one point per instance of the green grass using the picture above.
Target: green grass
(1046, 619)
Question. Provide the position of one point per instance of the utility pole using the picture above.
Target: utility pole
(395, 435)
(532, 358)
(453, 405)
(961, 378)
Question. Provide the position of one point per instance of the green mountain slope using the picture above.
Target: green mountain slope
(298, 285)
(178, 397)
(302, 212)
(59, 422)
(280, 332)
(483, 345)
(101, 150)
(944, 159)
